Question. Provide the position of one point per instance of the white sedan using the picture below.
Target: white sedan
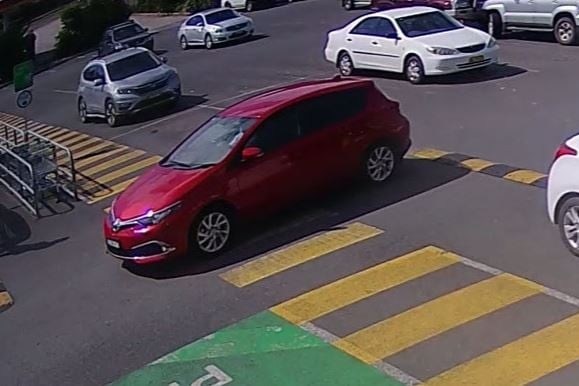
(563, 193)
(416, 41)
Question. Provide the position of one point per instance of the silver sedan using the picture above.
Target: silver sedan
(214, 26)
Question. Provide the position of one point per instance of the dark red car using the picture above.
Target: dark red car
(253, 159)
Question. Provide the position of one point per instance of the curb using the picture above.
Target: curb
(5, 298)
(160, 14)
(474, 164)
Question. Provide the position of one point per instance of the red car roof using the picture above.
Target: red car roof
(266, 103)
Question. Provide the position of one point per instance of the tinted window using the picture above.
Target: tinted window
(385, 28)
(330, 109)
(219, 16)
(99, 72)
(132, 65)
(427, 24)
(195, 21)
(128, 32)
(276, 131)
(367, 27)
(210, 144)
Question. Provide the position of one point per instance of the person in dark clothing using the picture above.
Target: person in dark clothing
(30, 44)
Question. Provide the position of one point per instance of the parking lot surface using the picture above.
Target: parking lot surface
(443, 275)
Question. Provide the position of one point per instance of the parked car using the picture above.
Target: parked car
(563, 193)
(253, 159)
(417, 41)
(546, 15)
(460, 9)
(214, 26)
(248, 5)
(121, 36)
(125, 83)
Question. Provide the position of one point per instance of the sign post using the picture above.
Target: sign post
(23, 75)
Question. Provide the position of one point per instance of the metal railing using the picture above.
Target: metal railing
(31, 164)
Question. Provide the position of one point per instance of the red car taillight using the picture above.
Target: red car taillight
(564, 150)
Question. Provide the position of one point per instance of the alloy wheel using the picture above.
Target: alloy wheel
(345, 65)
(566, 31)
(413, 70)
(183, 42)
(208, 42)
(571, 226)
(82, 111)
(110, 114)
(213, 232)
(380, 164)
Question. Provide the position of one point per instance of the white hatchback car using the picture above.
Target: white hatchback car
(563, 193)
(416, 41)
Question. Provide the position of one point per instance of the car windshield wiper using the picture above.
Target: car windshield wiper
(203, 165)
(184, 165)
(173, 163)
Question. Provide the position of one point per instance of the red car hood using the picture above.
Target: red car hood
(158, 188)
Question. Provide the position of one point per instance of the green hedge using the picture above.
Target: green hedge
(12, 47)
(84, 24)
(168, 6)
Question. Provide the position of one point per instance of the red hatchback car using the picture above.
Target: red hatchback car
(252, 160)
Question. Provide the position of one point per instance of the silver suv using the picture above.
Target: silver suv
(125, 83)
(559, 16)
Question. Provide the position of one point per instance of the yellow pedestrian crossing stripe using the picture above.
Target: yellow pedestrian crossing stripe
(104, 168)
(437, 316)
(351, 289)
(299, 253)
(518, 362)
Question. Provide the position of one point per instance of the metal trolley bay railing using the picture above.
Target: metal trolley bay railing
(33, 167)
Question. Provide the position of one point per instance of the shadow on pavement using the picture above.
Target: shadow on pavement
(326, 213)
(493, 72)
(14, 230)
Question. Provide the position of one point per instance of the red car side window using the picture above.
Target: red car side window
(278, 130)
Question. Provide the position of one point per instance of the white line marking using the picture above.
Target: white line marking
(213, 105)
(65, 91)
(384, 367)
(495, 271)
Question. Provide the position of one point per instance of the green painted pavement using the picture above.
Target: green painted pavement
(263, 350)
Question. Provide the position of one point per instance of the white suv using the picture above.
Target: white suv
(559, 16)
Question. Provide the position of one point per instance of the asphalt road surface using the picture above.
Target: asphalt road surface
(81, 317)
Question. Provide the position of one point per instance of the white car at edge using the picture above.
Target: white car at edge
(416, 41)
(563, 193)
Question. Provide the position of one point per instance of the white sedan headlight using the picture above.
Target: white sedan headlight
(442, 51)
(492, 42)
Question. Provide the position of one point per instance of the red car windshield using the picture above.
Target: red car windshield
(210, 144)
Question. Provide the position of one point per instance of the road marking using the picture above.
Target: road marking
(506, 172)
(129, 169)
(386, 368)
(520, 362)
(65, 91)
(87, 151)
(524, 176)
(299, 253)
(112, 162)
(411, 327)
(111, 191)
(97, 157)
(5, 299)
(364, 284)
(211, 107)
(476, 164)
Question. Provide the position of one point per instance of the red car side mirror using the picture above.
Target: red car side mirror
(250, 153)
